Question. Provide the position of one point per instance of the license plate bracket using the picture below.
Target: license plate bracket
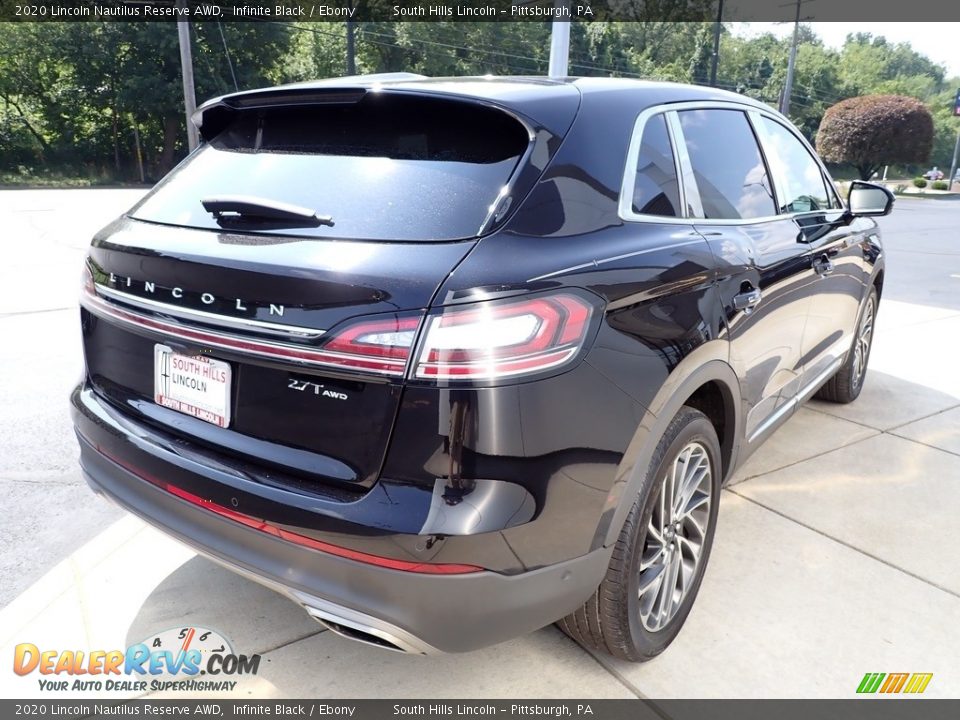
(195, 385)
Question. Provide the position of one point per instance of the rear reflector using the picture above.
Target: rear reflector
(293, 537)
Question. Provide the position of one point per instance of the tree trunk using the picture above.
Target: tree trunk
(171, 130)
(116, 142)
(867, 171)
(136, 144)
(44, 146)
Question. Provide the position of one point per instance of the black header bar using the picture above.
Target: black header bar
(849, 11)
(584, 709)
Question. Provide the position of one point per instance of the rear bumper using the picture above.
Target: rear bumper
(401, 610)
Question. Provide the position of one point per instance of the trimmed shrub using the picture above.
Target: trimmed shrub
(920, 182)
(871, 131)
(940, 185)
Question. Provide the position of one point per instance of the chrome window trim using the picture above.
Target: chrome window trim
(625, 205)
(629, 182)
(223, 321)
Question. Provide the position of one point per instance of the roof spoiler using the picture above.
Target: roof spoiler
(214, 115)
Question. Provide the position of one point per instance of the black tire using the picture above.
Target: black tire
(610, 620)
(845, 386)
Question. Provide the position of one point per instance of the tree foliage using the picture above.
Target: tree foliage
(871, 131)
(82, 97)
(87, 99)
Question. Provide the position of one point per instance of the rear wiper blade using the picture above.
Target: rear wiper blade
(244, 207)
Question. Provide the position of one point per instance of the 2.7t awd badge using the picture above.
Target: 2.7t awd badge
(315, 388)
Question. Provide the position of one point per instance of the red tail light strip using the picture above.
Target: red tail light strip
(389, 366)
(504, 368)
(290, 536)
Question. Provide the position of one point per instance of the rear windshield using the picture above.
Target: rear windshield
(388, 167)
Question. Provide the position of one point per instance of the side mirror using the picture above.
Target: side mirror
(869, 200)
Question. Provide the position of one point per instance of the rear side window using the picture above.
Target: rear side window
(729, 170)
(385, 167)
(800, 183)
(655, 190)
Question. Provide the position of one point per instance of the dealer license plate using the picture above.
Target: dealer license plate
(191, 384)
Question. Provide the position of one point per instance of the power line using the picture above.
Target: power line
(226, 51)
(370, 36)
(423, 41)
(804, 97)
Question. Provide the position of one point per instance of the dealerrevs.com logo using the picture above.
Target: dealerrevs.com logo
(894, 683)
(189, 658)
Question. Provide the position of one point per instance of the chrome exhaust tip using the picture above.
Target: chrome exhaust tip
(358, 626)
(353, 633)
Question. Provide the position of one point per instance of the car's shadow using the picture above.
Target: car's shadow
(301, 659)
(317, 663)
(202, 594)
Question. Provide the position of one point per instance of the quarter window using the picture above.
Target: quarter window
(730, 173)
(800, 183)
(655, 190)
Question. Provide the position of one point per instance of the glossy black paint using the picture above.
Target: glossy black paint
(545, 468)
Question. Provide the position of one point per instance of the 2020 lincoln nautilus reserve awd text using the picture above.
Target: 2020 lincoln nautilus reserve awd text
(448, 360)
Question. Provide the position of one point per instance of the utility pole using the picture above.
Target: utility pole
(351, 45)
(186, 67)
(559, 49)
(956, 147)
(559, 45)
(953, 165)
(715, 60)
(791, 64)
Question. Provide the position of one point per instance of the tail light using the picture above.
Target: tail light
(380, 345)
(483, 341)
(475, 342)
(87, 286)
(489, 341)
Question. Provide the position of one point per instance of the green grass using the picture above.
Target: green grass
(24, 180)
(930, 196)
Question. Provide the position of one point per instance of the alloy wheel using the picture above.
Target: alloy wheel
(861, 348)
(675, 538)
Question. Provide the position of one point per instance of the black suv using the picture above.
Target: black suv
(447, 360)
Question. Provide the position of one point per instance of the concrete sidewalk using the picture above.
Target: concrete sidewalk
(836, 551)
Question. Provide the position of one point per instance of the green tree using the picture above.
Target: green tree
(88, 98)
(946, 125)
(867, 63)
(315, 50)
(703, 54)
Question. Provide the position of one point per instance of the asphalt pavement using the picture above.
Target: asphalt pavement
(836, 550)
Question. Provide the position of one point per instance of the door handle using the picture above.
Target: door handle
(823, 265)
(747, 300)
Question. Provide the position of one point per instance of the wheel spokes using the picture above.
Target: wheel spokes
(675, 537)
(861, 347)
